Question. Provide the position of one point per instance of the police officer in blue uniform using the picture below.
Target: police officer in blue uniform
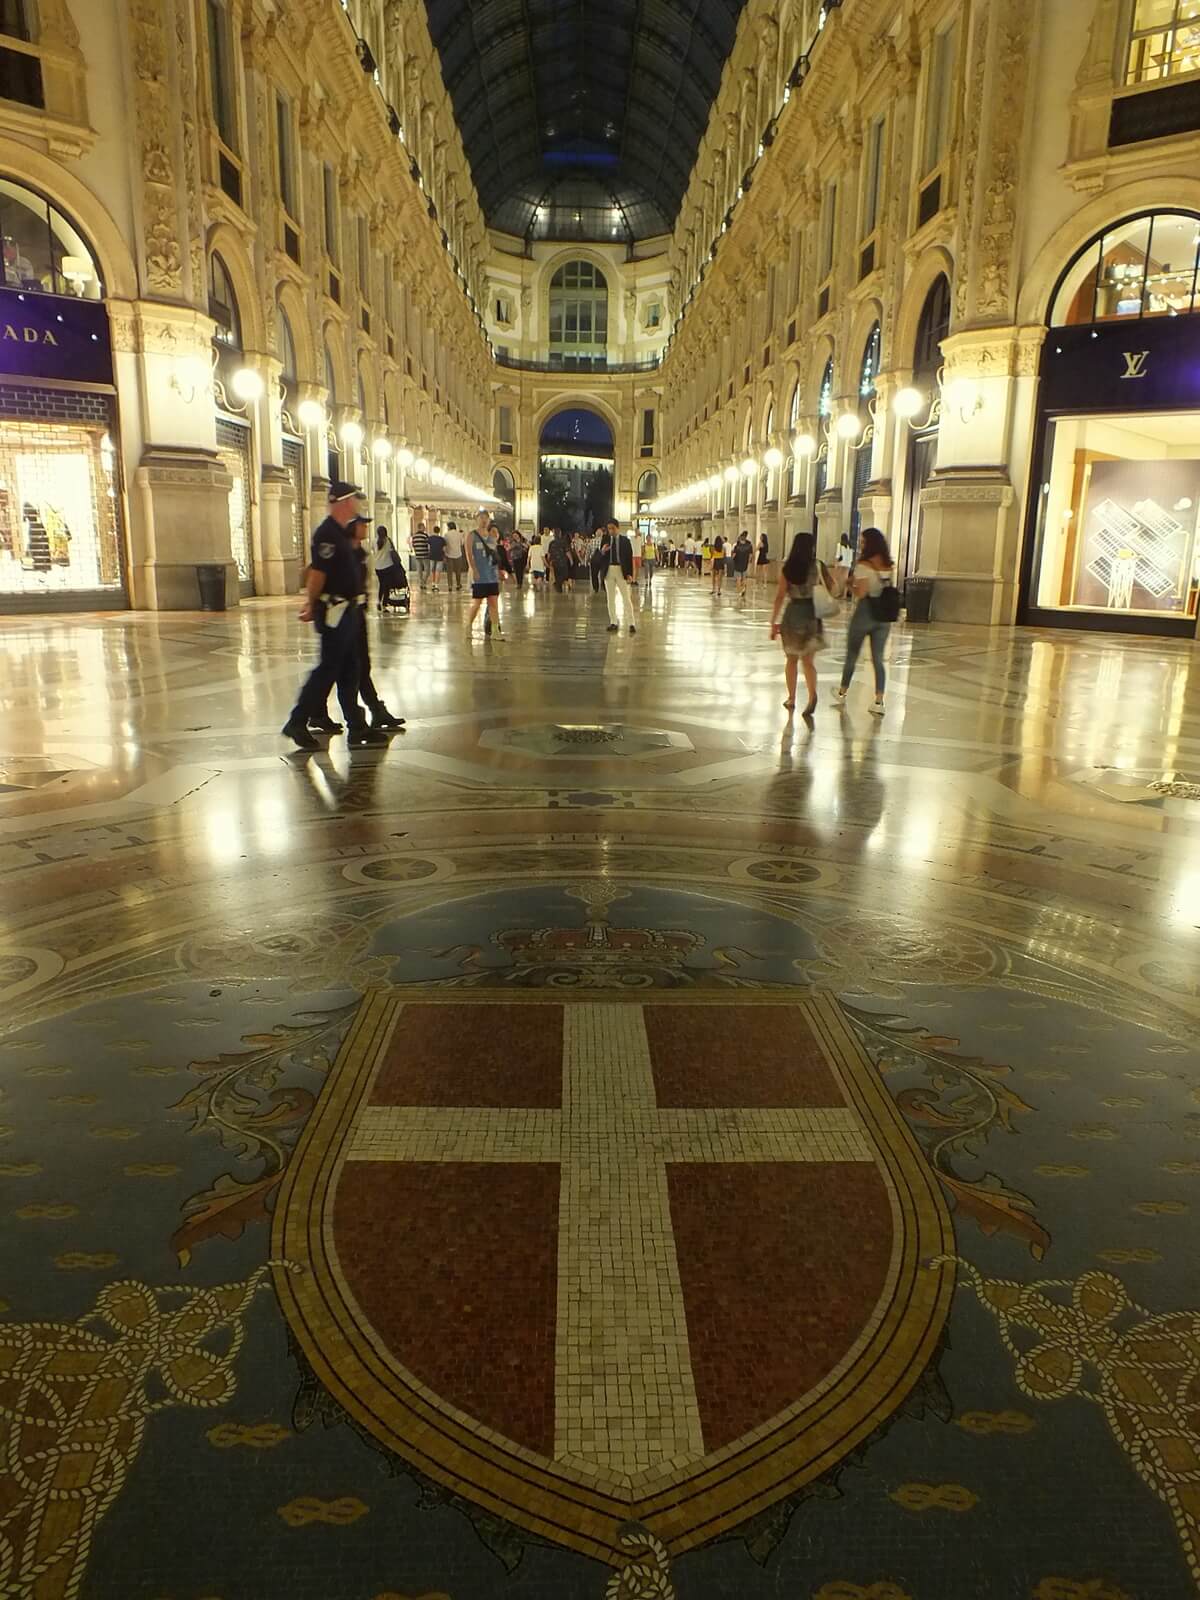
(335, 585)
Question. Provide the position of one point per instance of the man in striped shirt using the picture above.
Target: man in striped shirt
(418, 543)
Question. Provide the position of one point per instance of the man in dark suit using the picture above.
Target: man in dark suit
(618, 578)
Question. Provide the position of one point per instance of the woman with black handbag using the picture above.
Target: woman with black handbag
(877, 607)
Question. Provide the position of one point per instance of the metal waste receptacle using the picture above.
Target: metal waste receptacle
(918, 599)
(212, 588)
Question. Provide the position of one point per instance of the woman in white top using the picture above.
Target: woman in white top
(537, 561)
(870, 577)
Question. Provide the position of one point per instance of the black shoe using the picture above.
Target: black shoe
(365, 736)
(633, 630)
(385, 722)
(324, 725)
(299, 734)
(613, 628)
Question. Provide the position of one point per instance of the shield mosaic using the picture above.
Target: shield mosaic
(662, 1259)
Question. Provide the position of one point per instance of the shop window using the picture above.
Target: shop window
(59, 518)
(505, 434)
(1164, 40)
(648, 419)
(285, 155)
(330, 198)
(872, 178)
(221, 73)
(1144, 267)
(223, 306)
(20, 70)
(42, 253)
(938, 101)
(1120, 515)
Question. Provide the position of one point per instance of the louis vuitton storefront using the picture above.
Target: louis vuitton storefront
(1113, 533)
(61, 546)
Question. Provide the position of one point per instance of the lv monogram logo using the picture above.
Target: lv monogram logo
(1135, 363)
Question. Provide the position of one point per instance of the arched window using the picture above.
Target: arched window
(647, 489)
(1143, 267)
(223, 306)
(932, 330)
(43, 253)
(794, 408)
(825, 401)
(330, 374)
(770, 478)
(287, 348)
(870, 365)
(578, 316)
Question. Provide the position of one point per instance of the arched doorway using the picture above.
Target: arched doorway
(505, 491)
(647, 494)
(61, 544)
(922, 440)
(575, 472)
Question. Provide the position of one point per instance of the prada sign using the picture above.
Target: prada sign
(54, 336)
(1149, 362)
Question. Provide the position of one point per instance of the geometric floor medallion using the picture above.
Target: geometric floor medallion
(588, 1263)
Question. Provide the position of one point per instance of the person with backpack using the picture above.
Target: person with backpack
(877, 607)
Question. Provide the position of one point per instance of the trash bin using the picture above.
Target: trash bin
(212, 588)
(918, 599)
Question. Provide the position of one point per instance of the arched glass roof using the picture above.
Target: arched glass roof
(582, 120)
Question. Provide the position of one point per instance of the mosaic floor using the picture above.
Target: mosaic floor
(615, 1142)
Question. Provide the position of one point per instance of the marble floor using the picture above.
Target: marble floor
(614, 1141)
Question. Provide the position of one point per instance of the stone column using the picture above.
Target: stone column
(163, 356)
(970, 538)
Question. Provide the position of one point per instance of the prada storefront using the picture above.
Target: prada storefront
(1113, 538)
(60, 526)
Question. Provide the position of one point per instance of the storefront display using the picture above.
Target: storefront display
(1113, 537)
(59, 526)
(233, 447)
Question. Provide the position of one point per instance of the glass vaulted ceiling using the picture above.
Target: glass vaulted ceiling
(582, 118)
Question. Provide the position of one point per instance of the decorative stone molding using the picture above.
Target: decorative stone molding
(981, 353)
(160, 211)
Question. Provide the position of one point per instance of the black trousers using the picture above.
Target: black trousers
(340, 663)
(366, 686)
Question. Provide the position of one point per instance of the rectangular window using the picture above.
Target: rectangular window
(1164, 40)
(220, 73)
(503, 311)
(331, 214)
(285, 154)
(654, 314)
(504, 427)
(828, 230)
(938, 100)
(873, 178)
(14, 20)
(389, 294)
(648, 420)
(364, 258)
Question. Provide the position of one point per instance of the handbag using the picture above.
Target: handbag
(824, 605)
(885, 606)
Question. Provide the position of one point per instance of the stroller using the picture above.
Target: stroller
(395, 595)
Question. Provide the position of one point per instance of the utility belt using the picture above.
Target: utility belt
(335, 607)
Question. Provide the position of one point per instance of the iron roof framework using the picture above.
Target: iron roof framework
(582, 118)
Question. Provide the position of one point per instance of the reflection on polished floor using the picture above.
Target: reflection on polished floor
(697, 1154)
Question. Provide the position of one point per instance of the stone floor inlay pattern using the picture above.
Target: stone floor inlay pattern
(613, 1135)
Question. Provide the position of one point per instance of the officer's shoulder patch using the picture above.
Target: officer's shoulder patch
(325, 551)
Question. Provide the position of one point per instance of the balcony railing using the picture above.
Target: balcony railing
(578, 364)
